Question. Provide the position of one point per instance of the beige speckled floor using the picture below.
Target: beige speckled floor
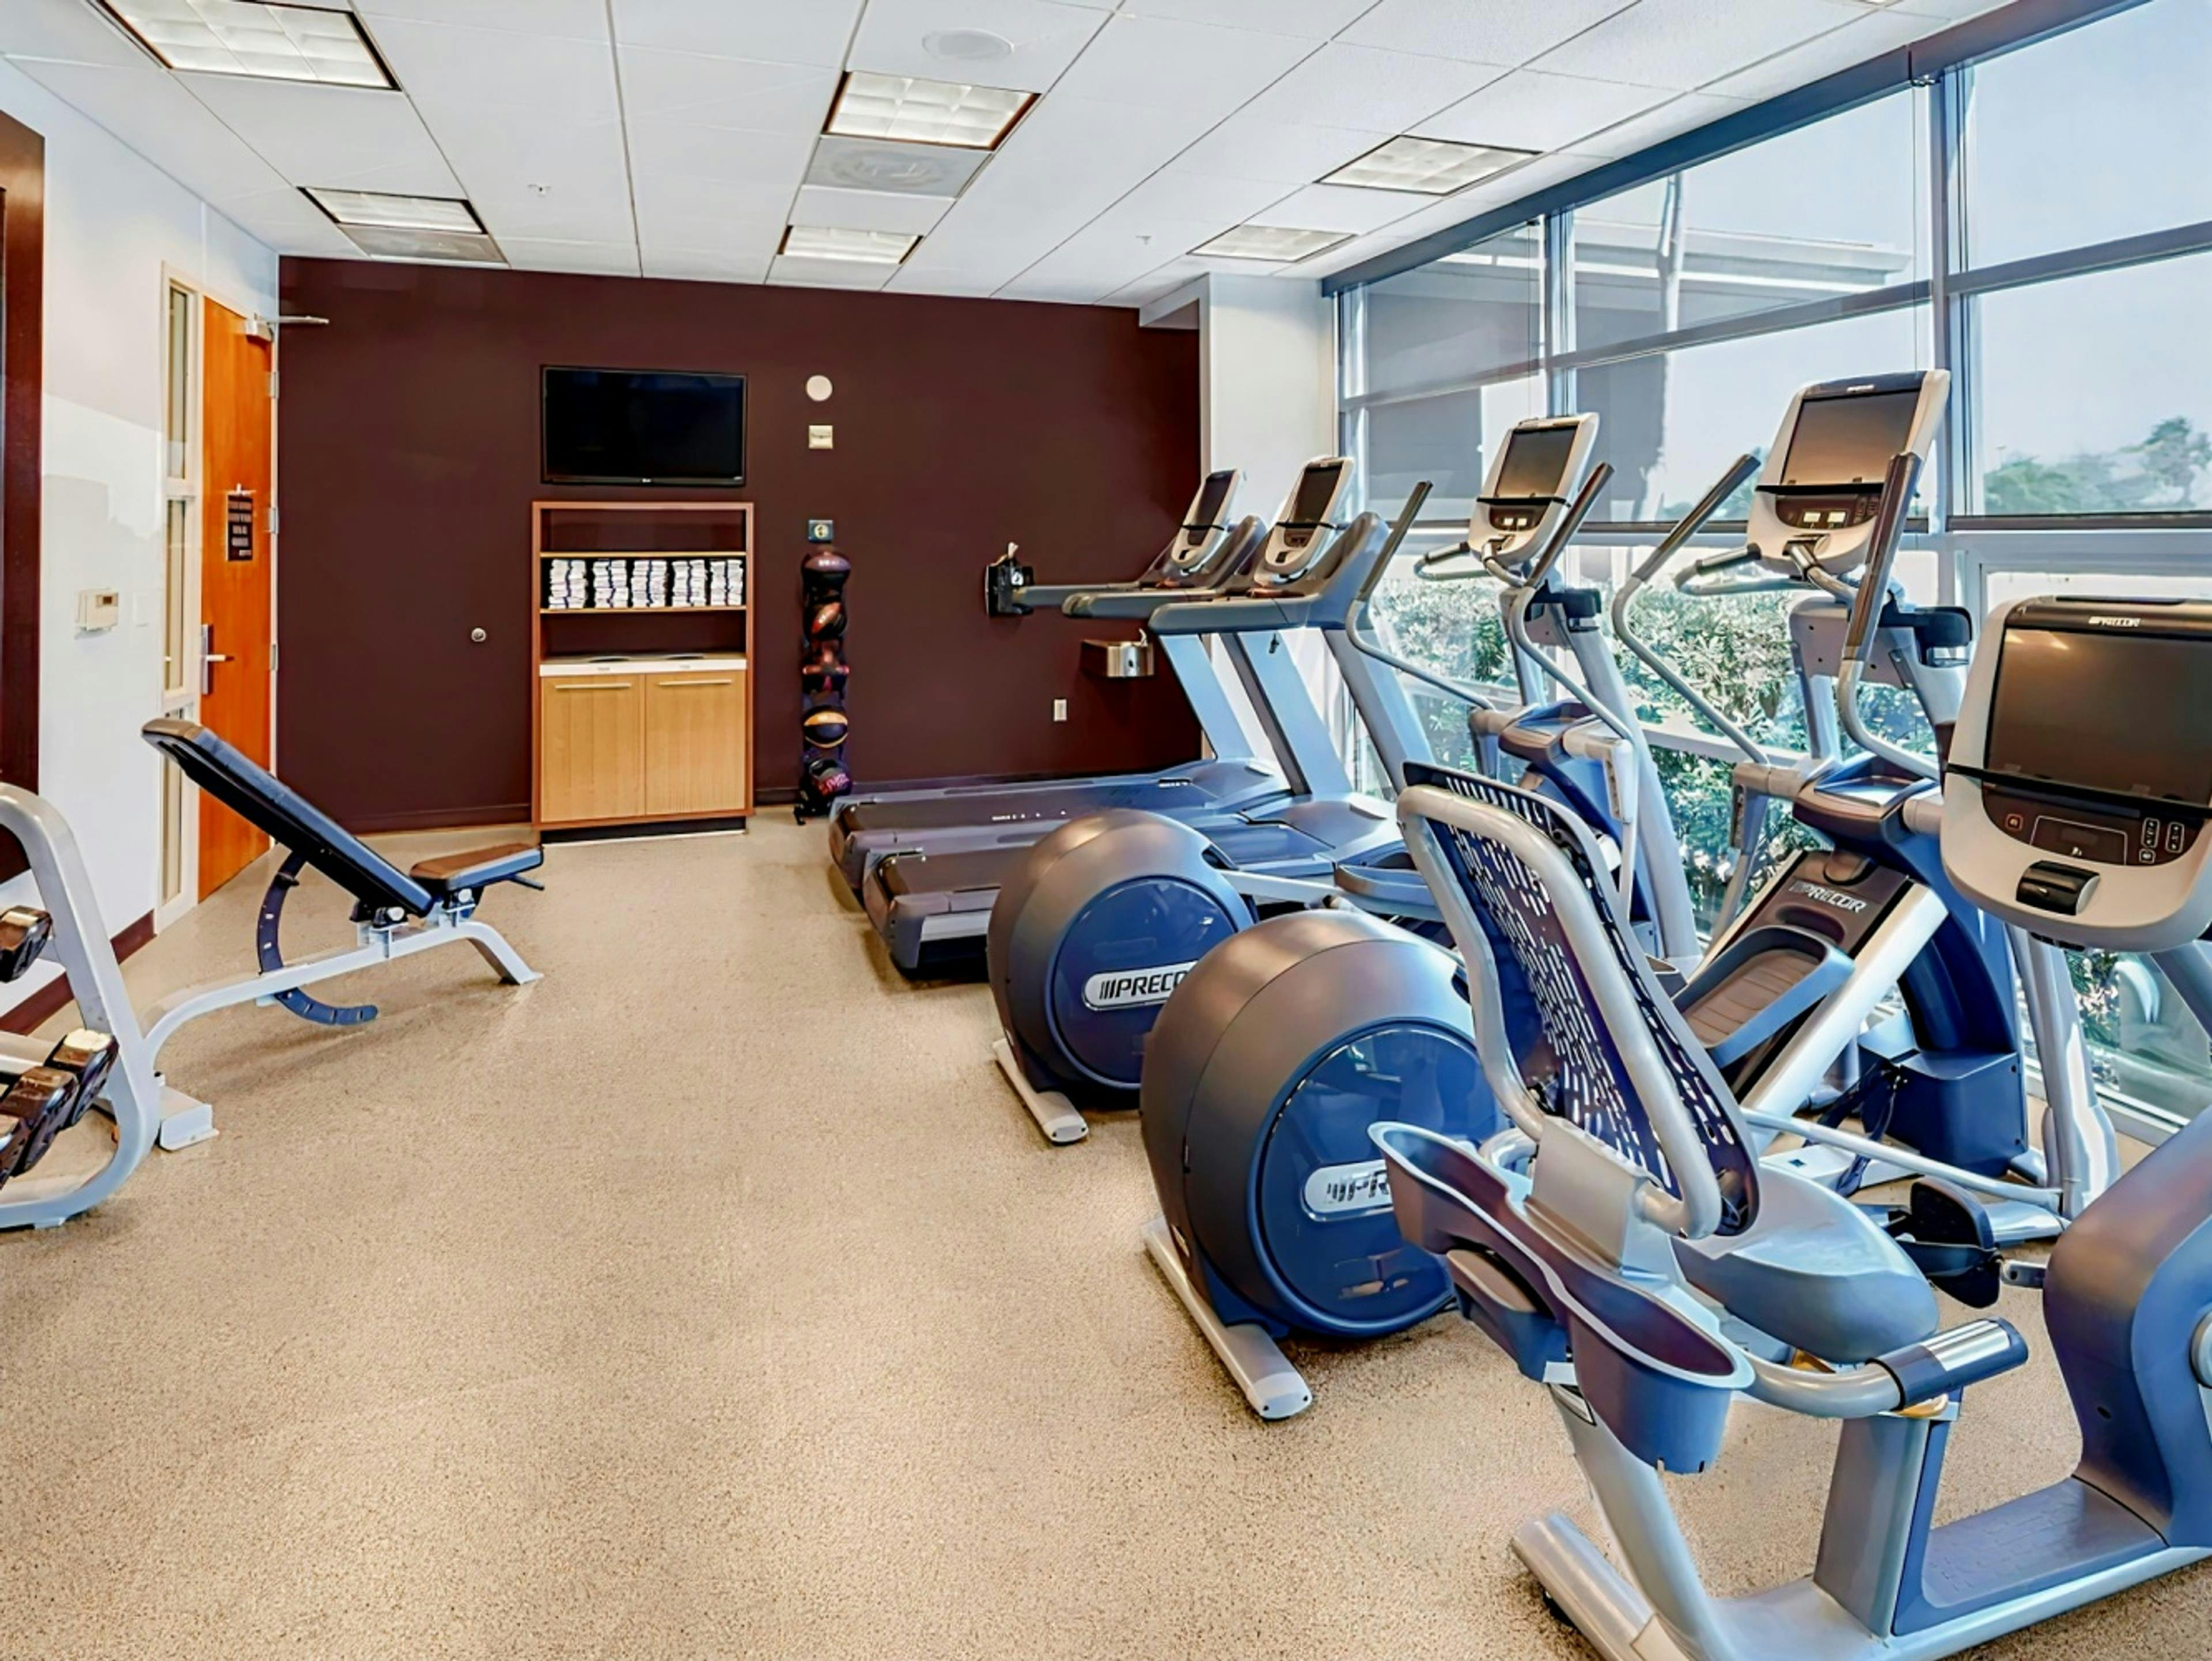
(711, 1298)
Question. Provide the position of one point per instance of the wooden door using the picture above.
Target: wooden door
(235, 575)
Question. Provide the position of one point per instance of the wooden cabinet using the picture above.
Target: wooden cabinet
(591, 747)
(642, 653)
(694, 743)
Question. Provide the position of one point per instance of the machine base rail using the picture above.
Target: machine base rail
(1275, 1389)
(1055, 1113)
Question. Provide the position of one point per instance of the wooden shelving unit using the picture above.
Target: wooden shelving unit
(640, 714)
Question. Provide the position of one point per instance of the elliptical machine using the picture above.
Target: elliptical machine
(1597, 1241)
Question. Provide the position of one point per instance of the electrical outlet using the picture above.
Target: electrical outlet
(1059, 709)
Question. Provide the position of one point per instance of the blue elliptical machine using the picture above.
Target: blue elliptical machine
(1358, 1019)
(1597, 1241)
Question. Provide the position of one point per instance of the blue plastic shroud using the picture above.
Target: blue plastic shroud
(1322, 1195)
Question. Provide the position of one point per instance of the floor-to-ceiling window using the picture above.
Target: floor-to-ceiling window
(2038, 221)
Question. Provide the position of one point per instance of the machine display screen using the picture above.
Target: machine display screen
(2122, 711)
(1316, 489)
(1848, 440)
(1536, 463)
(1212, 497)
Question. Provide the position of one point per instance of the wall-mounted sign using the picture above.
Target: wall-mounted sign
(238, 525)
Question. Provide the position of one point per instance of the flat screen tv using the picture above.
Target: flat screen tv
(643, 427)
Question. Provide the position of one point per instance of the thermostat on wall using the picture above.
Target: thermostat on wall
(98, 609)
(821, 530)
(822, 437)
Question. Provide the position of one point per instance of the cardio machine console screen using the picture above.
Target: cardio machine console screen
(1532, 475)
(1316, 489)
(1844, 443)
(1212, 497)
(2094, 719)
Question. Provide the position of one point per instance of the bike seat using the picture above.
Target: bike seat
(1816, 1272)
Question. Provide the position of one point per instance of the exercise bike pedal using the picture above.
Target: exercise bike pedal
(1948, 1235)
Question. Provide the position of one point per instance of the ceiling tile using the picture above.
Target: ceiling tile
(576, 20)
(535, 174)
(669, 150)
(1685, 43)
(766, 31)
(867, 210)
(1948, 9)
(1691, 109)
(1171, 64)
(330, 135)
(1165, 280)
(1530, 110)
(709, 214)
(68, 30)
(289, 223)
(828, 273)
(463, 67)
(910, 280)
(1044, 35)
(1480, 31)
(145, 107)
(1310, 20)
(1365, 87)
(725, 92)
(702, 265)
(1340, 208)
(1201, 196)
(1838, 49)
(596, 259)
(1112, 250)
(1286, 152)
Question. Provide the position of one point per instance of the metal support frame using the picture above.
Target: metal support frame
(133, 1098)
(451, 924)
(1254, 1362)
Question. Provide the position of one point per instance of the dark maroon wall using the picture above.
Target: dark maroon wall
(409, 456)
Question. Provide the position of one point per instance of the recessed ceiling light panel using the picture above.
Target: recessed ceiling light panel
(919, 112)
(1429, 167)
(405, 213)
(1280, 245)
(406, 242)
(863, 247)
(273, 42)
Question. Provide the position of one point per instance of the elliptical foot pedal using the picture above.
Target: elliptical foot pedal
(1055, 1113)
(1274, 1389)
(1948, 1235)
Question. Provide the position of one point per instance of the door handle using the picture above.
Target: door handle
(208, 658)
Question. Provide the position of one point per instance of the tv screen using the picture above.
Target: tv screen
(631, 427)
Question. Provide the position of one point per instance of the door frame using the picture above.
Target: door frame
(22, 223)
(191, 487)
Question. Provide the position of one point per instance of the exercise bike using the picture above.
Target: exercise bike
(1620, 1242)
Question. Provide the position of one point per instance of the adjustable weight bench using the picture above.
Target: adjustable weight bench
(395, 913)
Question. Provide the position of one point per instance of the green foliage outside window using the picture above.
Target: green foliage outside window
(2159, 474)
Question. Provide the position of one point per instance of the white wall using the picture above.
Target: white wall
(1268, 405)
(113, 222)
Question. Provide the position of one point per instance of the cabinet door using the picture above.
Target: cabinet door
(592, 748)
(695, 742)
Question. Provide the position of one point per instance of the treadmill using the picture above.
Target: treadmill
(1206, 552)
(939, 906)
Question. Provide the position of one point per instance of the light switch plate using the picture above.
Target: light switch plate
(822, 437)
